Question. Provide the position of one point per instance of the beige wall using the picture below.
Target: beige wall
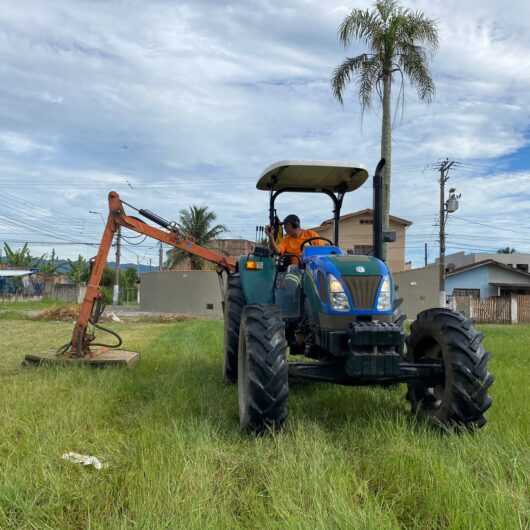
(191, 292)
(418, 288)
(353, 232)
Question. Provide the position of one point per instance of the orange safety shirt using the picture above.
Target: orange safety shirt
(292, 245)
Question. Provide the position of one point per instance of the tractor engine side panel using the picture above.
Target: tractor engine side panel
(257, 284)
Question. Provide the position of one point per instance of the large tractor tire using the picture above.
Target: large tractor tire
(459, 403)
(262, 369)
(233, 308)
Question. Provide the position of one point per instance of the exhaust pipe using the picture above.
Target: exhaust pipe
(378, 210)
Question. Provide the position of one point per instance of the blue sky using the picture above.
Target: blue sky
(179, 103)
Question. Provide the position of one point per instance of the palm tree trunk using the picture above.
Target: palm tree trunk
(386, 152)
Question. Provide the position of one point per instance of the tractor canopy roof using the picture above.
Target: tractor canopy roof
(295, 175)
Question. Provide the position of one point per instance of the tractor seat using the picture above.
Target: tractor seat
(322, 251)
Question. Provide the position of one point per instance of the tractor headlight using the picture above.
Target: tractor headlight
(384, 301)
(337, 296)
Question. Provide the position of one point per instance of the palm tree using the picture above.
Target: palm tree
(394, 37)
(18, 258)
(195, 223)
(78, 272)
(48, 266)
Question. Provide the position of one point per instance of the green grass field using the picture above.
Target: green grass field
(168, 429)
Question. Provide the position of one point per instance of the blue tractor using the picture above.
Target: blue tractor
(341, 312)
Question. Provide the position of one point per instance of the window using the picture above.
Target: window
(363, 250)
(522, 267)
(366, 222)
(474, 293)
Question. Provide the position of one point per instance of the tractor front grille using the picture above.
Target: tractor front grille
(363, 290)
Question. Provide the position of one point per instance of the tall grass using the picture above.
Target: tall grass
(168, 429)
(43, 303)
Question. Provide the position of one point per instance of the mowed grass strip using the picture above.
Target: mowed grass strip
(168, 430)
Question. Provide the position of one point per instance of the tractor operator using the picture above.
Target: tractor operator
(292, 242)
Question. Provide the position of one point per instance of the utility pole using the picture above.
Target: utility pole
(426, 254)
(138, 280)
(446, 207)
(116, 290)
(160, 256)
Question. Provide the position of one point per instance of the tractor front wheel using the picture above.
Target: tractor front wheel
(460, 401)
(233, 307)
(262, 369)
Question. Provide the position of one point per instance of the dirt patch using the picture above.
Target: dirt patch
(63, 314)
(161, 318)
(71, 313)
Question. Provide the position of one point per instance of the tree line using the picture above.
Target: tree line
(77, 270)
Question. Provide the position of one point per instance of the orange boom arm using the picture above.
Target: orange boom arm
(80, 343)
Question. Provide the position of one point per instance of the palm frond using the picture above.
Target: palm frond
(217, 230)
(363, 25)
(413, 62)
(8, 250)
(369, 75)
(420, 29)
(343, 74)
(174, 257)
(18, 258)
(387, 9)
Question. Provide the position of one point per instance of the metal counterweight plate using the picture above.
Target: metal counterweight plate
(103, 357)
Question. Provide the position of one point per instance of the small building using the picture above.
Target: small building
(18, 281)
(234, 247)
(517, 260)
(487, 278)
(356, 236)
(419, 288)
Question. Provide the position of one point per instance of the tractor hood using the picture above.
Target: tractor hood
(357, 265)
(346, 265)
(362, 278)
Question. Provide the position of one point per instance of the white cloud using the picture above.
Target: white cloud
(190, 101)
(20, 144)
(51, 98)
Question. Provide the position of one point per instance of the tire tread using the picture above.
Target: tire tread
(465, 362)
(266, 350)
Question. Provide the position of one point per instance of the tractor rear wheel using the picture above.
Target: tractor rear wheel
(262, 369)
(460, 401)
(234, 303)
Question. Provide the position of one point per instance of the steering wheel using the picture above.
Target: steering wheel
(284, 260)
(314, 239)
